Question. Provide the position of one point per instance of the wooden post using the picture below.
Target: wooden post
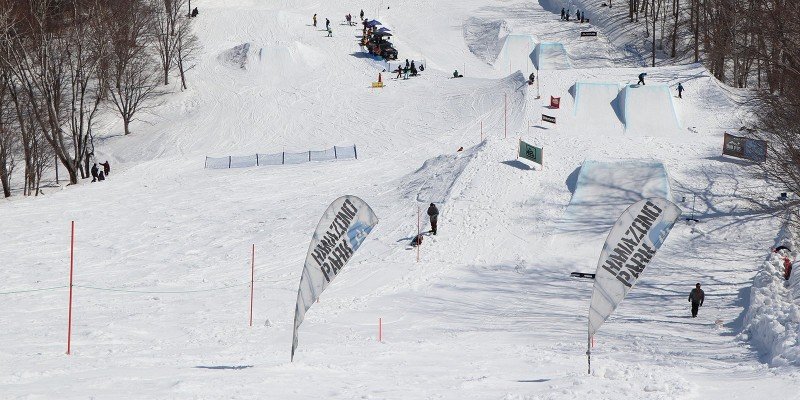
(71, 266)
(252, 280)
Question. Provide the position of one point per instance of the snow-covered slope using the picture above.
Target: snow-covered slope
(162, 252)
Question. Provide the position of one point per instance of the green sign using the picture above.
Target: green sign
(529, 152)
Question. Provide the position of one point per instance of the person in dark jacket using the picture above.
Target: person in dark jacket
(362, 15)
(106, 167)
(433, 214)
(314, 20)
(531, 78)
(327, 24)
(101, 176)
(696, 297)
(563, 13)
(641, 78)
(194, 12)
(413, 69)
(94, 172)
(680, 90)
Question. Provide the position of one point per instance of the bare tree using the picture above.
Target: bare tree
(164, 27)
(187, 48)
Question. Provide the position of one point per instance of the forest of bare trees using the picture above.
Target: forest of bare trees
(65, 62)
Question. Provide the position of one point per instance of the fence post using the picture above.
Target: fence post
(355, 151)
(309, 155)
(256, 159)
(205, 164)
(229, 161)
(283, 157)
(334, 153)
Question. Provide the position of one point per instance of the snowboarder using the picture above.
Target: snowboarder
(563, 13)
(101, 176)
(327, 24)
(362, 15)
(696, 297)
(531, 78)
(680, 90)
(457, 75)
(106, 167)
(433, 214)
(314, 18)
(94, 172)
(416, 241)
(641, 78)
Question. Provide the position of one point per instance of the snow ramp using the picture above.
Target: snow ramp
(516, 54)
(551, 55)
(648, 110)
(596, 108)
(604, 189)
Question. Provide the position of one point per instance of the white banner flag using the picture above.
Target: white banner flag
(341, 230)
(630, 246)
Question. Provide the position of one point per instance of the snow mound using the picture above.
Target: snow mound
(516, 54)
(772, 319)
(597, 108)
(434, 180)
(604, 189)
(648, 110)
(551, 55)
(273, 59)
(483, 37)
(237, 56)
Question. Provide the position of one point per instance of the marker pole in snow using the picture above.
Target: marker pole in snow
(538, 78)
(252, 279)
(505, 116)
(418, 233)
(589, 354)
(71, 264)
(481, 130)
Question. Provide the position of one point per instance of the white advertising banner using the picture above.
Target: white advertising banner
(341, 230)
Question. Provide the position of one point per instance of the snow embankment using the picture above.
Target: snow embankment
(772, 320)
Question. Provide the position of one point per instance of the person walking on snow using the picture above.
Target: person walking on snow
(563, 13)
(314, 18)
(641, 78)
(94, 172)
(433, 214)
(680, 90)
(696, 297)
(106, 167)
(327, 24)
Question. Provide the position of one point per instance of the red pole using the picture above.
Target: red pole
(380, 329)
(252, 278)
(418, 233)
(71, 264)
(505, 116)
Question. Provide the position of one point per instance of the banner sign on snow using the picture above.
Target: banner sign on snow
(588, 33)
(530, 152)
(548, 118)
(742, 147)
(630, 246)
(341, 230)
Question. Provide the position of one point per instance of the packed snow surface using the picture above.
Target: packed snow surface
(163, 247)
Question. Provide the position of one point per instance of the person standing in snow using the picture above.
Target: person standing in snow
(697, 296)
(314, 18)
(680, 90)
(106, 167)
(362, 15)
(578, 15)
(101, 176)
(641, 78)
(563, 13)
(327, 24)
(433, 214)
(531, 78)
(94, 172)
(568, 12)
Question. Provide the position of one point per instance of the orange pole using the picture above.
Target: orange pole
(71, 265)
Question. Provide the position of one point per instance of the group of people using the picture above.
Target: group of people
(97, 174)
(408, 69)
(327, 25)
(579, 16)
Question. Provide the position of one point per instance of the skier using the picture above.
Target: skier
(106, 167)
(531, 78)
(433, 214)
(314, 18)
(696, 297)
(563, 13)
(94, 172)
(641, 78)
(680, 90)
